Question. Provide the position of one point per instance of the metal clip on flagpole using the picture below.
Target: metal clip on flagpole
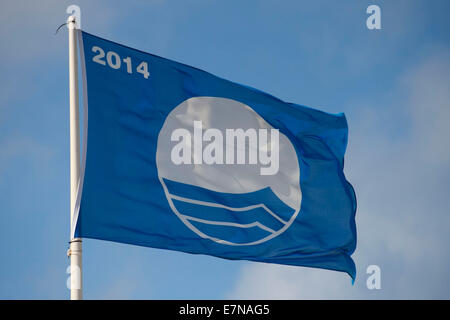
(75, 249)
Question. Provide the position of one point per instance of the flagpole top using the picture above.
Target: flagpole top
(71, 22)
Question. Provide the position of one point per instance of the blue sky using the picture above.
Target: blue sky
(392, 84)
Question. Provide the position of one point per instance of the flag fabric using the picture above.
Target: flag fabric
(177, 158)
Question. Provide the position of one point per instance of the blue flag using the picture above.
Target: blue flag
(177, 158)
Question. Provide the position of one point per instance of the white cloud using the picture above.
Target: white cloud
(267, 281)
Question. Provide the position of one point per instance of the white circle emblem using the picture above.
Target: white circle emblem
(229, 203)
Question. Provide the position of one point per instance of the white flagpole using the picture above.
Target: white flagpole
(75, 251)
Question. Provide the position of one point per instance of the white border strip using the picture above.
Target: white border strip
(85, 130)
